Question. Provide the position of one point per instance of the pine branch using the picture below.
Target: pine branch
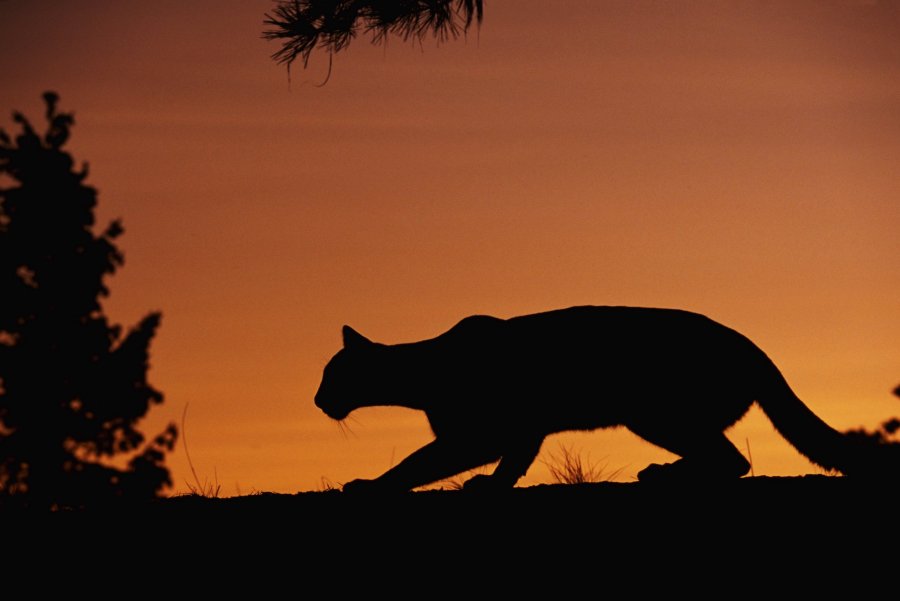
(304, 25)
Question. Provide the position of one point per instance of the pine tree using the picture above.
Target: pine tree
(72, 387)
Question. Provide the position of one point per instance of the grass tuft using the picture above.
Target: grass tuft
(327, 484)
(205, 489)
(567, 466)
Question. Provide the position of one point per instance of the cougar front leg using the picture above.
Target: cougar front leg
(515, 462)
(435, 461)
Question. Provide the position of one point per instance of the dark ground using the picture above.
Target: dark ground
(809, 533)
(762, 502)
(763, 496)
(749, 509)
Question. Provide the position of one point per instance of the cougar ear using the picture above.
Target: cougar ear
(352, 338)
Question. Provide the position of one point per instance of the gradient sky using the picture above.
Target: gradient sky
(741, 160)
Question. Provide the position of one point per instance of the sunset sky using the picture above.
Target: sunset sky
(738, 159)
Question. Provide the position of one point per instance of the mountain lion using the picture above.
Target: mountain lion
(493, 389)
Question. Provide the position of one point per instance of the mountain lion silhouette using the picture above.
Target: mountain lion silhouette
(493, 389)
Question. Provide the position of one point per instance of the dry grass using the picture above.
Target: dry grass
(750, 459)
(327, 484)
(253, 492)
(206, 488)
(568, 466)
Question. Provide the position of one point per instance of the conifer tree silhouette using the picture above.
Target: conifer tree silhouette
(72, 387)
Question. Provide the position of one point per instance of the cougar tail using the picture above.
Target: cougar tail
(819, 442)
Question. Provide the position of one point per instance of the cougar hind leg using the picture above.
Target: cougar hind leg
(704, 457)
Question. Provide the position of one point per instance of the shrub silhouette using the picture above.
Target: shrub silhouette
(883, 435)
(72, 387)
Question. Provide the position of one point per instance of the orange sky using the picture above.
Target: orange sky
(735, 159)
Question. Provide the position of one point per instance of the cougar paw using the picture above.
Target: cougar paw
(363, 487)
(656, 472)
(483, 483)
